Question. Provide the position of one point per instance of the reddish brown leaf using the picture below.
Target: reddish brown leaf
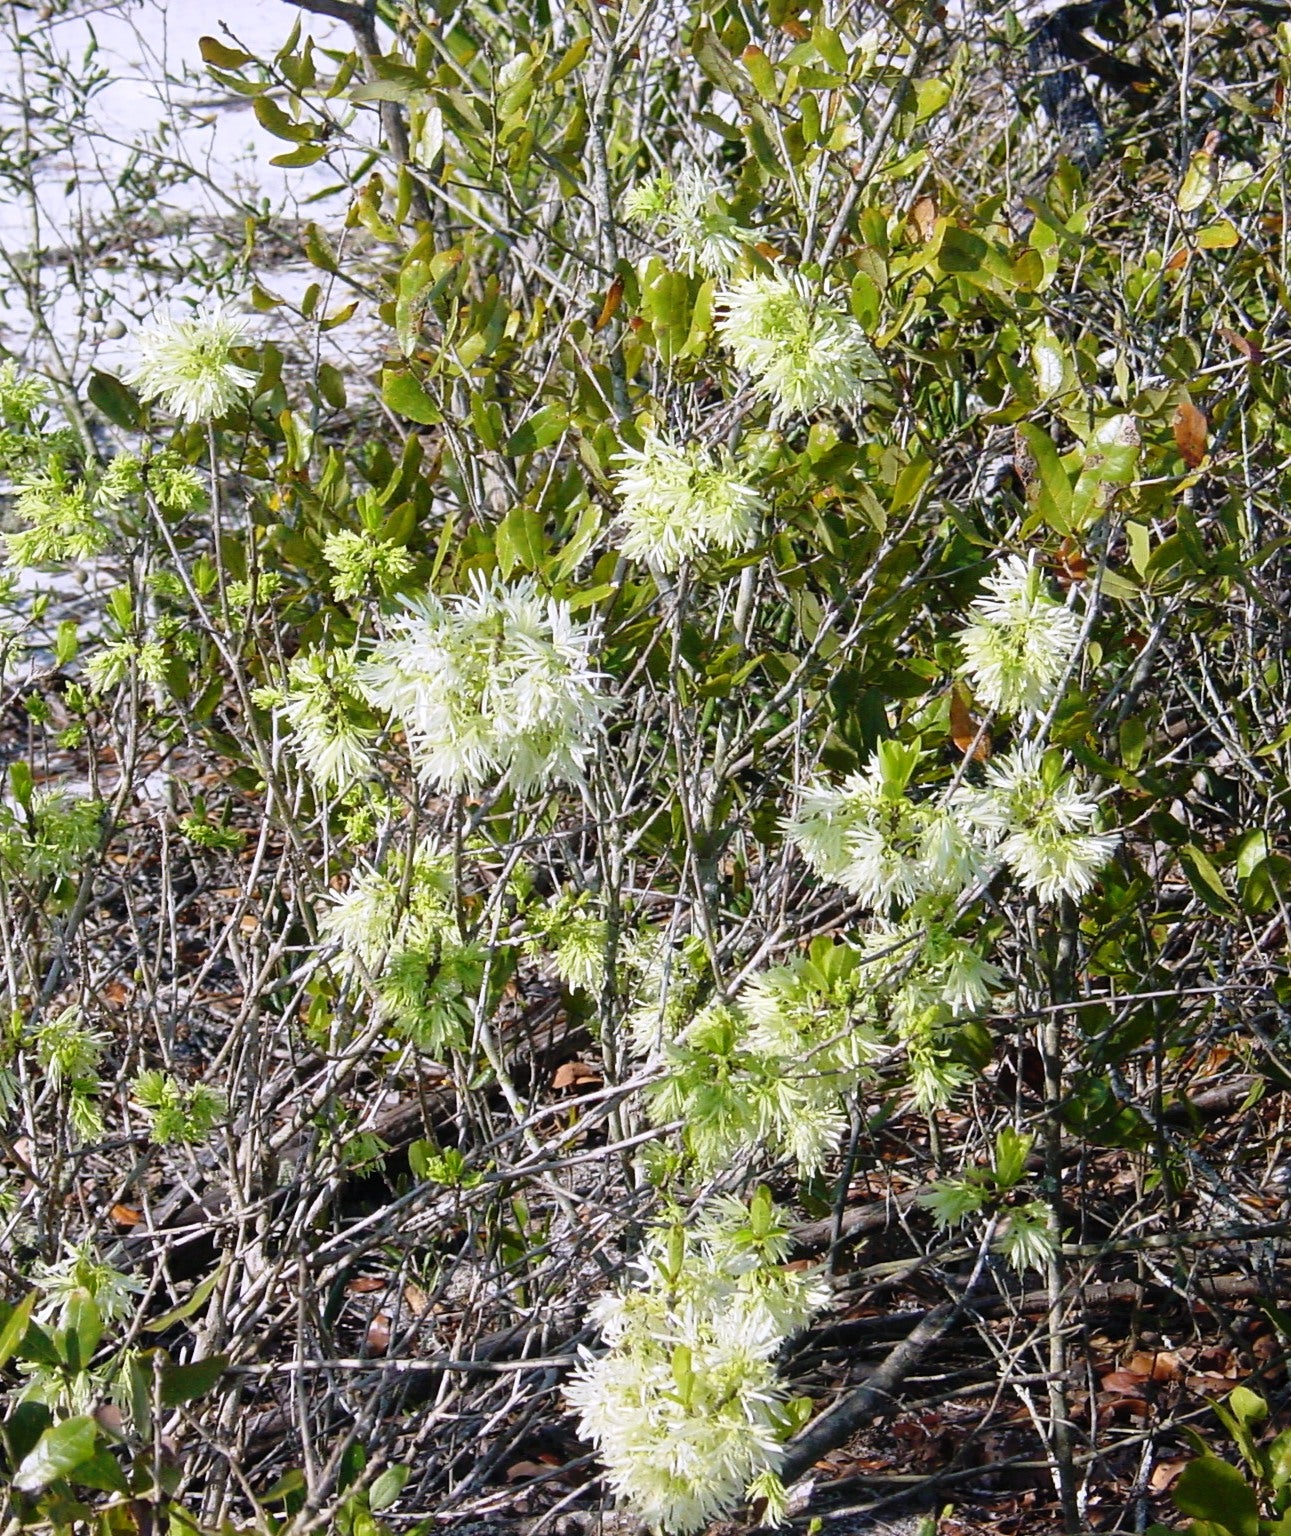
(1239, 343)
(363, 1285)
(795, 29)
(1125, 1381)
(1190, 430)
(125, 1215)
(378, 1334)
(1209, 1385)
(519, 1470)
(613, 298)
(1073, 564)
(765, 248)
(966, 731)
(574, 1074)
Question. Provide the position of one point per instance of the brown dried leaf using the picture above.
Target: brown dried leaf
(415, 1299)
(923, 218)
(378, 1334)
(363, 1285)
(1157, 1365)
(1164, 1474)
(1178, 260)
(613, 298)
(1024, 463)
(1125, 1381)
(573, 1074)
(1190, 431)
(519, 1470)
(125, 1215)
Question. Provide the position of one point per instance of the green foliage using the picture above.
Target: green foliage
(713, 588)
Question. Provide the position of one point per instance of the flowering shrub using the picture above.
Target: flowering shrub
(703, 673)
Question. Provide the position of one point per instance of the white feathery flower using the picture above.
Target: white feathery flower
(689, 217)
(1019, 641)
(1026, 1241)
(82, 1273)
(323, 711)
(876, 842)
(496, 683)
(802, 352)
(921, 966)
(188, 365)
(1042, 822)
(377, 915)
(684, 1407)
(679, 502)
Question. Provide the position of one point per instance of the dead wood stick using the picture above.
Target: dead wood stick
(871, 1398)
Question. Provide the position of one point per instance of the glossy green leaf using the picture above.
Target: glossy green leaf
(58, 1452)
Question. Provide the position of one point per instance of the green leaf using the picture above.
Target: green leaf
(274, 120)
(318, 249)
(387, 1488)
(1211, 1489)
(829, 46)
(383, 90)
(307, 154)
(117, 402)
(404, 395)
(542, 429)
(187, 1307)
(182, 1383)
(331, 385)
(1218, 236)
(60, 1450)
(102, 1472)
(1205, 880)
(1051, 492)
(572, 57)
(520, 542)
(213, 51)
(15, 1327)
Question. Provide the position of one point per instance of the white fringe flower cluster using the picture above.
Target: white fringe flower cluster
(397, 928)
(686, 1408)
(1039, 823)
(679, 502)
(326, 721)
(690, 219)
(1019, 642)
(922, 979)
(802, 352)
(774, 1067)
(188, 365)
(497, 683)
(871, 838)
